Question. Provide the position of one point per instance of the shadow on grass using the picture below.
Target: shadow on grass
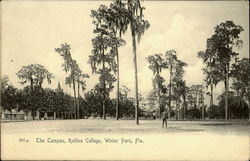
(216, 124)
(127, 130)
(185, 130)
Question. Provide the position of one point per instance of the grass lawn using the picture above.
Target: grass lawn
(87, 139)
(125, 126)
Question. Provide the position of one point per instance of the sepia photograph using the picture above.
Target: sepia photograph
(125, 80)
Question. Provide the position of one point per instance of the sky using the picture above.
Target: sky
(31, 30)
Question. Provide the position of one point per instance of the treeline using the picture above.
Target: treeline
(62, 104)
(222, 64)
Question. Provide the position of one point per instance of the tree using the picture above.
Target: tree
(132, 15)
(62, 106)
(4, 82)
(196, 99)
(116, 19)
(225, 39)
(67, 105)
(179, 86)
(180, 89)
(126, 103)
(156, 64)
(170, 59)
(118, 24)
(31, 95)
(240, 73)
(153, 101)
(196, 91)
(137, 26)
(81, 83)
(34, 74)
(212, 72)
(93, 103)
(184, 89)
(193, 113)
(32, 100)
(103, 54)
(50, 101)
(237, 107)
(9, 95)
(77, 77)
(216, 112)
(71, 66)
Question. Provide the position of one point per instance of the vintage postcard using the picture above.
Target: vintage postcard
(125, 80)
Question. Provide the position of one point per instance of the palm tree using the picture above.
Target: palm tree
(118, 23)
(170, 61)
(212, 73)
(137, 26)
(178, 83)
(133, 16)
(81, 83)
(71, 79)
(156, 64)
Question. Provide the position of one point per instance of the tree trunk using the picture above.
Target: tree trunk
(226, 92)
(211, 100)
(103, 106)
(33, 115)
(118, 85)
(184, 108)
(203, 110)
(103, 109)
(248, 109)
(74, 88)
(10, 115)
(31, 84)
(136, 78)
(40, 84)
(31, 89)
(177, 109)
(170, 87)
(159, 102)
(211, 88)
(104, 89)
(78, 99)
(159, 96)
(197, 99)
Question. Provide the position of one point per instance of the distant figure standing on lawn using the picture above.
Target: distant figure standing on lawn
(164, 118)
